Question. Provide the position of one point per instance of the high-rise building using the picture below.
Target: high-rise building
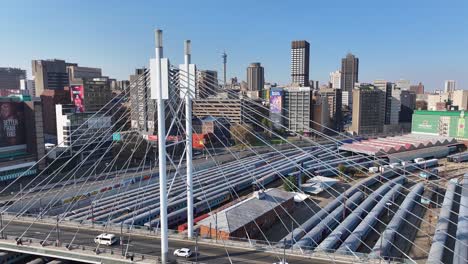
(460, 99)
(404, 85)
(87, 134)
(335, 79)
(49, 99)
(392, 101)
(255, 77)
(408, 104)
(349, 72)
(418, 89)
(207, 84)
(10, 78)
(21, 138)
(90, 94)
(321, 113)
(450, 86)
(298, 109)
(300, 55)
(334, 100)
(368, 110)
(79, 72)
(49, 74)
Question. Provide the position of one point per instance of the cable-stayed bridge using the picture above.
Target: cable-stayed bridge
(169, 198)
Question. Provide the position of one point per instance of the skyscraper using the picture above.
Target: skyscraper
(10, 78)
(368, 110)
(450, 86)
(349, 72)
(300, 53)
(417, 89)
(255, 77)
(207, 83)
(335, 79)
(49, 74)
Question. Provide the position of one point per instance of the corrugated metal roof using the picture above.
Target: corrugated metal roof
(240, 214)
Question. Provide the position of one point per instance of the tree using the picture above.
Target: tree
(243, 134)
(267, 127)
(289, 184)
(342, 169)
(421, 105)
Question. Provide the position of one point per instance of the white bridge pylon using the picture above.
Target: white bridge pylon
(160, 80)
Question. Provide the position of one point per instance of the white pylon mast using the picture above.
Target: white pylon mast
(188, 143)
(161, 148)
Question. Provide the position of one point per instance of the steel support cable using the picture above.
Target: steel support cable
(37, 176)
(15, 180)
(53, 199)
(102, 139)
(176, 168)
(233, 189)
(69, 178)
(311, 129)
(358, 165)
(144, 160)
(285, 117)
(410, 212)
(145, 155)
(296, 187)
(106, 226)
(127, 167)
(413, 214)
(261, 187)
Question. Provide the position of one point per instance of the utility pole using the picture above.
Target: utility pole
(196, 248)
(58, 232)
(92, 214)
(188, 142)
(292, 236)
(121, 238)
(160, 93)
(216, 226)
(1, 224)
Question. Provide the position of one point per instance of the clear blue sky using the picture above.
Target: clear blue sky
(417, 40)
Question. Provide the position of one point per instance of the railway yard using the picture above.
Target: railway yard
(393, 212)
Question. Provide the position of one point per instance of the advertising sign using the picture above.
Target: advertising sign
(77, 97)
(276, 103)
(426, 124)
(12, 131)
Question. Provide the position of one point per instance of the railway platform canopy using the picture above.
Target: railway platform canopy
(391, 145)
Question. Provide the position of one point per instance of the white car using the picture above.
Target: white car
(183, 252)
(105, 239)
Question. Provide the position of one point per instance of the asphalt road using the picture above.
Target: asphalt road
(208, 253)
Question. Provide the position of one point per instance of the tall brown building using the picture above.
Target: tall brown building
(300, 56)
(49, 74)
(417, 89)
(49, 99)
(368, 110)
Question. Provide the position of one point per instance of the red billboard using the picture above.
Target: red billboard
(12, 131)
(77, 97)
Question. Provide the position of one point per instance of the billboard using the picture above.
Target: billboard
(276, 101)
(12, 130)
(428, 124)
(77, 97)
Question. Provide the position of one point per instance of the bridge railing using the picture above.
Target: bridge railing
(173, 234)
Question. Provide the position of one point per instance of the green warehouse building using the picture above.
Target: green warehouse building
(441, 123)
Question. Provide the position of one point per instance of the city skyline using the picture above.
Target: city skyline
(424, 55)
